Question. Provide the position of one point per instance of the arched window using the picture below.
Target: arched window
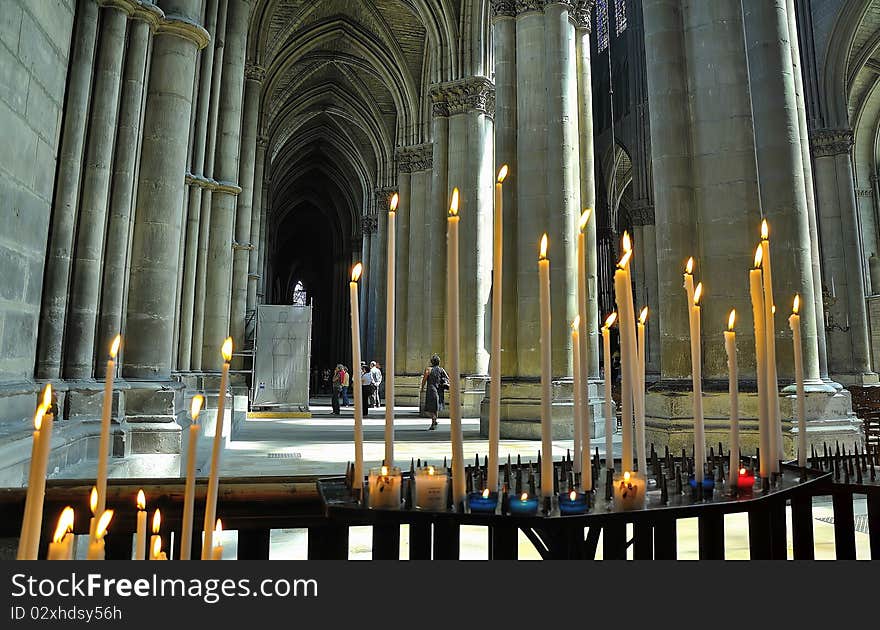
(300, 297)
(619, 16)
(601, 25)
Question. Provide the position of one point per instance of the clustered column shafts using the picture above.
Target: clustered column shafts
(418, 274)
(257, 244)
(435, 223)
(405, 232)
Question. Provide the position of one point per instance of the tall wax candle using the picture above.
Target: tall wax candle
(214, 478)
(638, 403)
(96, 546)
(625, 328)
(141, 531)
(733, 389)
(358, 481)
(189, 495)
(390, 300)
(581, 445)
(546, 372)
(640, 394)
(770, 332)
(794, 322)
(93, 506)
(757, 295)
(104, 442)
(609, 403)
(586, 471)
(61, 547)
(697, 378)
(32, 521)
(156, 539)
(217, 550)
(495, 359)
(459, 487)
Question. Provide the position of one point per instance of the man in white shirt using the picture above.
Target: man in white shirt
(376, 375)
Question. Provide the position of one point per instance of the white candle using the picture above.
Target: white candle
(581, 456)
(93, 506)
(214, 478)
(546, 373)
(794, 322)
(156, 552)
(385, 483)
(189, 495)
(104, 442)
(61, 547)
(32, 521)
(155, 539)
(621, 279)
(629, 491)
(697, 378)
(582, 424)
(141, 537)
(459, 490)
(431, 489)
(96, 546)
(609, 403)
(495, 360)
(217, 550)
(757, 295)
(776, 449)
(733, 389)
(389, 330)
(640, 394)
(638, 402)
(358, 481)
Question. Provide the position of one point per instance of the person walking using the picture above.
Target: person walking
(434, 381)
(337, 388)
(346, 383)
(376, 374)
(366, 388)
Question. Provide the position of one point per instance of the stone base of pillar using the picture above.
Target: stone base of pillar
(669, 418)
(153, 410)
(84, 402)
(860, 379)
(406, 390)
(521, 409)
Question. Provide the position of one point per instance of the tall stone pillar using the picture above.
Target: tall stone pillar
(418, 310)
(128, 139)
(256, 225)
(368, 229)
(243, 219)
(648, 246)
(53, 315)
(435, 225)
(91, 224)
(847, 324)
(262, 291)
(218, 284)
(160, 189)
(406, 223)
(380, 273)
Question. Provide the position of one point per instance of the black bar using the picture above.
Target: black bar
(665, 539)
(643, 543)
(503, 542)
(874, 522)
(778, 541)
(759, 532)
(446, 539)
(711, 536)
(420, 541)
(844, 525)
(614, 541)
(328, 542)
(802, 527)
(253, 544)
(386, 541)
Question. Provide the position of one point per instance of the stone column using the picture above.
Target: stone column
(128, 139)
(218, 284)
(264, 247)
(418, 274)
(241, 256)
(208, 191)
(407, 227)
(380, 273)
(368, 229)
(160, 190)
(70, 158)
(91, 224)
(256, 226)
(847, 323)
(196, 186)
(435, 225)
(648, 247)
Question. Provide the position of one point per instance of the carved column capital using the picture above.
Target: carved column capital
(465, 95)
(503, 8)
(642, 213)
(828, 142)
(253, 72)
(580, 14)
(419, 157)
(369, 224)
(529, 6)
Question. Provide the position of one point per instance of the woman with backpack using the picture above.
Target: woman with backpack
(434, 381)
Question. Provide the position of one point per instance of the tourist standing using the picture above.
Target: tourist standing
(376, 374)
(366, 387)
(337, 388)
(346, 382)
(434, 381)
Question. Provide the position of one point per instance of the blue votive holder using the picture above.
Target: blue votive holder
(708, 484)
(477, 502)
(573, 502)
(520, 506)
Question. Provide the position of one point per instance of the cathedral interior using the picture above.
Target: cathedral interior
(172, 165)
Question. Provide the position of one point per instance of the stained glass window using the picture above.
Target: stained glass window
(299, 295)
(619, 16)
(601, 24)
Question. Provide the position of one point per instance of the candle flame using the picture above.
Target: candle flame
(356, 272)
(624, 260)
(453, 206)
(502, 173)
(384, 470)
(38, 417)
(93, 500)
(114, 345)
(157, 521)
(524, 496)
(486, 493)
(196, 406)
(765, 230)
(773, 309)
(65, 524)
(157, 546)
(543, 248)
(627, 243)
(698, 292)
(103, 523)
(576, 323)
(218, 529)
(797, 303)
(609, 322)
(585, 218)
(689, 267)
(226, 350)
(731, 319)
(430, 470)
(626, 476)
(643, 316)
(759, 255)
(141, 500)
(742, 471)
(395, 199)
(573, 495)
(47, 396)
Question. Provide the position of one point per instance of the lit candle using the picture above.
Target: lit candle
(389, 330)
(217, 550)
(689, 282)
(484, 501)
(96, 546)
(459, 489)
(582, 441)
(609, 403)
(546, 376)
(621, 279)
(579, 451)
(156, 552)
(156, 539)
(140, 544)
(104, 442)
(358, 481)
(431, 489)
(794, 322)
(573, 502)
(495, 361)
(61, 547)
(637, 402)
(629, 492)
(214, 478)
(32, 521)
(640, 394)
(384, 485)
(93, 506)
(697, 378)
(745, 480)
(524, 505)
(733, 389)
(770, 338)
(757, 295)
(190, 490)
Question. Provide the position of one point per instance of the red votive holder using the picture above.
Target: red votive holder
(745, 480)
